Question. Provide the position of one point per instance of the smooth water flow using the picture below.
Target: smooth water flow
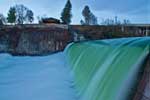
(93, 70)
(107, 70)
(35, 78)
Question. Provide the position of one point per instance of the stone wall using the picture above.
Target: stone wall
(33, 39)
(105, 32)
(40, 39)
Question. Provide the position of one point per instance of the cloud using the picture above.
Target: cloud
(120, 5)
(136, 10)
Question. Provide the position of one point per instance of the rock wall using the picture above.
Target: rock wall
(106, 32)
(33, 40)
(40, 39)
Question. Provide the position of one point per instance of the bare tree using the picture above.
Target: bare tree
(2, 19)
(21, 11)
(29, 16)
(23, 14)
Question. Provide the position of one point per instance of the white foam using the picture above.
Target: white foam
(35, 78)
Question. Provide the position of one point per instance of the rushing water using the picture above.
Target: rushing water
(94, 70)
(35, 78)
(107, 70)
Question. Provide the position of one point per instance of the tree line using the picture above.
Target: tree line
(20, 14)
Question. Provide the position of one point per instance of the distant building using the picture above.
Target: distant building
(50, 21)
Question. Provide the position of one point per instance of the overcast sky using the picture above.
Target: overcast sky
(137, 11)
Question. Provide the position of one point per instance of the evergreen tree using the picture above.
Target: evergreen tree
(22, 14)
(11, 15)
(86, 14)
(82, 22)
(93, 19)
(66, 13)
(89, 17)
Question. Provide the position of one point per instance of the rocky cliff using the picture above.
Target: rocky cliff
(40, 39)
(33, 39)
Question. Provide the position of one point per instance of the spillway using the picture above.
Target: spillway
(107, 69)
(91, 70)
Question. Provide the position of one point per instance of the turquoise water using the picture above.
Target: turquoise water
(92, 70)
(106, 69)
(35, 78)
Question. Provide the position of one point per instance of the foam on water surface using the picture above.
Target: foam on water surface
(35, 78)
(93, 70)
(107, 69)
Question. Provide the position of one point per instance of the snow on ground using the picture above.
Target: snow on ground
(35, 78)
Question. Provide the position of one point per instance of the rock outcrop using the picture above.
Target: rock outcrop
(41, 39)
(35, 40)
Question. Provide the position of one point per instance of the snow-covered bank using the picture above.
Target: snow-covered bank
(35, 78)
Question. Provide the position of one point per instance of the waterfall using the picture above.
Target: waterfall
(107, 69)
(89, 70)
